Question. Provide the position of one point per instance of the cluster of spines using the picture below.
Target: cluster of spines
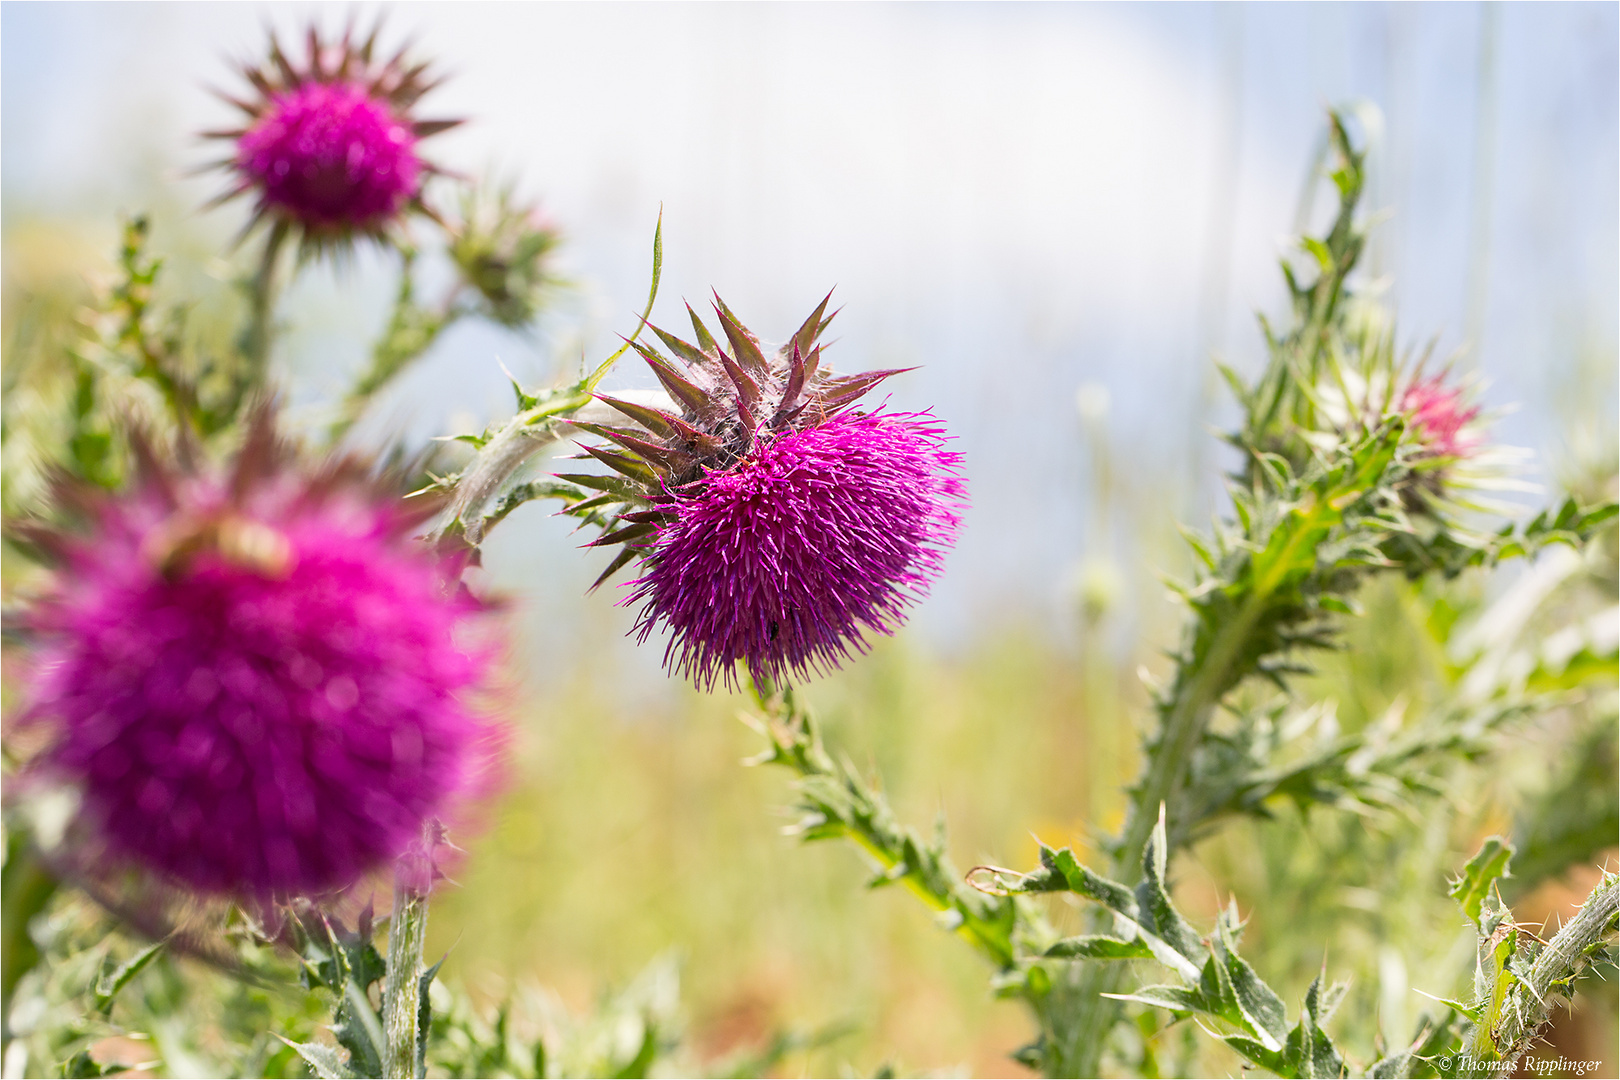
(727, 400)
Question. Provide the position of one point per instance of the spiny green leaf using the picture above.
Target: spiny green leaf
(1260, 1009)
(637, 1066)
(356, 1028)
(542, 489)
(1137, 914)
(1099, 947)
(327, 1063)
(82, 1065)
(895, 873)
(1470, 1011)
(1310, 1053)
(613, 485)
(1235, 383)
(1199, 547)
(1391, 1067)
(1083, 880)
(1257, 1053)
(424, 1014)
(1324, 257)
(1158, 912)
(1178, 999)
(1482, 871)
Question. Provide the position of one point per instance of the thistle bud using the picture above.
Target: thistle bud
(503, 249)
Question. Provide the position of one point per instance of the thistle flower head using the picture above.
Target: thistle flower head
(254, 681)
(330, 147)
(1447, 448)
(776, 524)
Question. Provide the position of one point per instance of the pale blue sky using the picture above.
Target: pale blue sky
(1022, 198)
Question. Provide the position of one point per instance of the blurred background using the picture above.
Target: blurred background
(1061, 213)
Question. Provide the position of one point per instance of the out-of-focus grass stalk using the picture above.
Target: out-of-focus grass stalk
(261, 292)
(1483, 185)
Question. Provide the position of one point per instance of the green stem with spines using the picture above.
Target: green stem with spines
(502, 452)
(410, 332)
(402, 1002)
(868, 822)
(1491, 1051)
(257, 335)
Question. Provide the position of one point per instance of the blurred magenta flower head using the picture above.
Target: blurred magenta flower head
(257, 682)
(777, 525)
(331, 147)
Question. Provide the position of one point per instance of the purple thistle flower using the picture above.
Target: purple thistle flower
(255, 682)
(331, 147)
(784, 560)
(776, 524)
(330, 155)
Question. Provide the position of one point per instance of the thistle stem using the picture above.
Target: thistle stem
(1564, 957)
(410, 333)
(1078, 1023)
(519, 439)
(1196, 696)
(862, 815)
(402, 991)
(261, 289)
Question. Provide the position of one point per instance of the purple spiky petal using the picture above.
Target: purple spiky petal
(786, 560)
(1441, 416)
(331, 156)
